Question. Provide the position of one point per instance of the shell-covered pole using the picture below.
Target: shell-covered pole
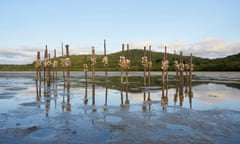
(150, 58)
(55, 62)
(181, 68)
(85, 66)
(122, 62)
(38, 61)
(105, 58)
(144, 63)
(46, 58)
(149, 70)
(165, 66)
(165, 61)
(67, 60)
(127, 63)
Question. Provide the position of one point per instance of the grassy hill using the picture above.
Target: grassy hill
(229, 63)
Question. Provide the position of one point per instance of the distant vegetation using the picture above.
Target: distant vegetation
(229, 63)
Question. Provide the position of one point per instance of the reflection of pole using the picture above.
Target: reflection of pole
(187, 81)
(176, 93)
(164, 100)
(127, 100)
(190, 82)
(121, 93)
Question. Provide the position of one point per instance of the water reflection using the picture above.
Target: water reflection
(51, 85)
(149, 95)
(164, 99)
(126, 103)
(67, 87)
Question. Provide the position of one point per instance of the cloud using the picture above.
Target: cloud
(208, 48)
(24, 54)
(27, 54)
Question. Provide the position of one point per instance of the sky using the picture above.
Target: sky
(205, 28)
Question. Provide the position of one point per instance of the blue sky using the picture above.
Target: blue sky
(207, 28)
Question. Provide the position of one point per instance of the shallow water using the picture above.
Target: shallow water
(59, 113)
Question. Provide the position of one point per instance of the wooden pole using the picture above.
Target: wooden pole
(181, 80)
(127, 55)
(106, 73)
(122, 67)
(166, 59)
(93, 59)
(181, 71)
(38, 77)
(68, 66)
(63, 63)
(149, 71)
(45, 62)
(86, 80)
(144, 70)
(176, 65)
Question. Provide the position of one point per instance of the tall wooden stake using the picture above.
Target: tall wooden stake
(145, 67)
(85, 68)
(149, 71)
(93, 59)
(105, 62)
(121, 66)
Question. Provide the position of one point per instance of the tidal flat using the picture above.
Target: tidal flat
(73, 111)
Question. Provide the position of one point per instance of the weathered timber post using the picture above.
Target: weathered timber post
(176, 65)
(190, 81)
(144, 63)
(181, 68)
(127, 63)
(105, 64)
(85, 68)
(55, 65)
(38, 66)
(149, 71)
(68, 66)
(127, 67)
(93, 60)
(45, 63)
(165, 67)
(63, 63)
(38, 76)
(121, 62)
(166, 59)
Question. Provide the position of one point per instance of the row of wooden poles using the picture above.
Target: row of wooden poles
(125, 65)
